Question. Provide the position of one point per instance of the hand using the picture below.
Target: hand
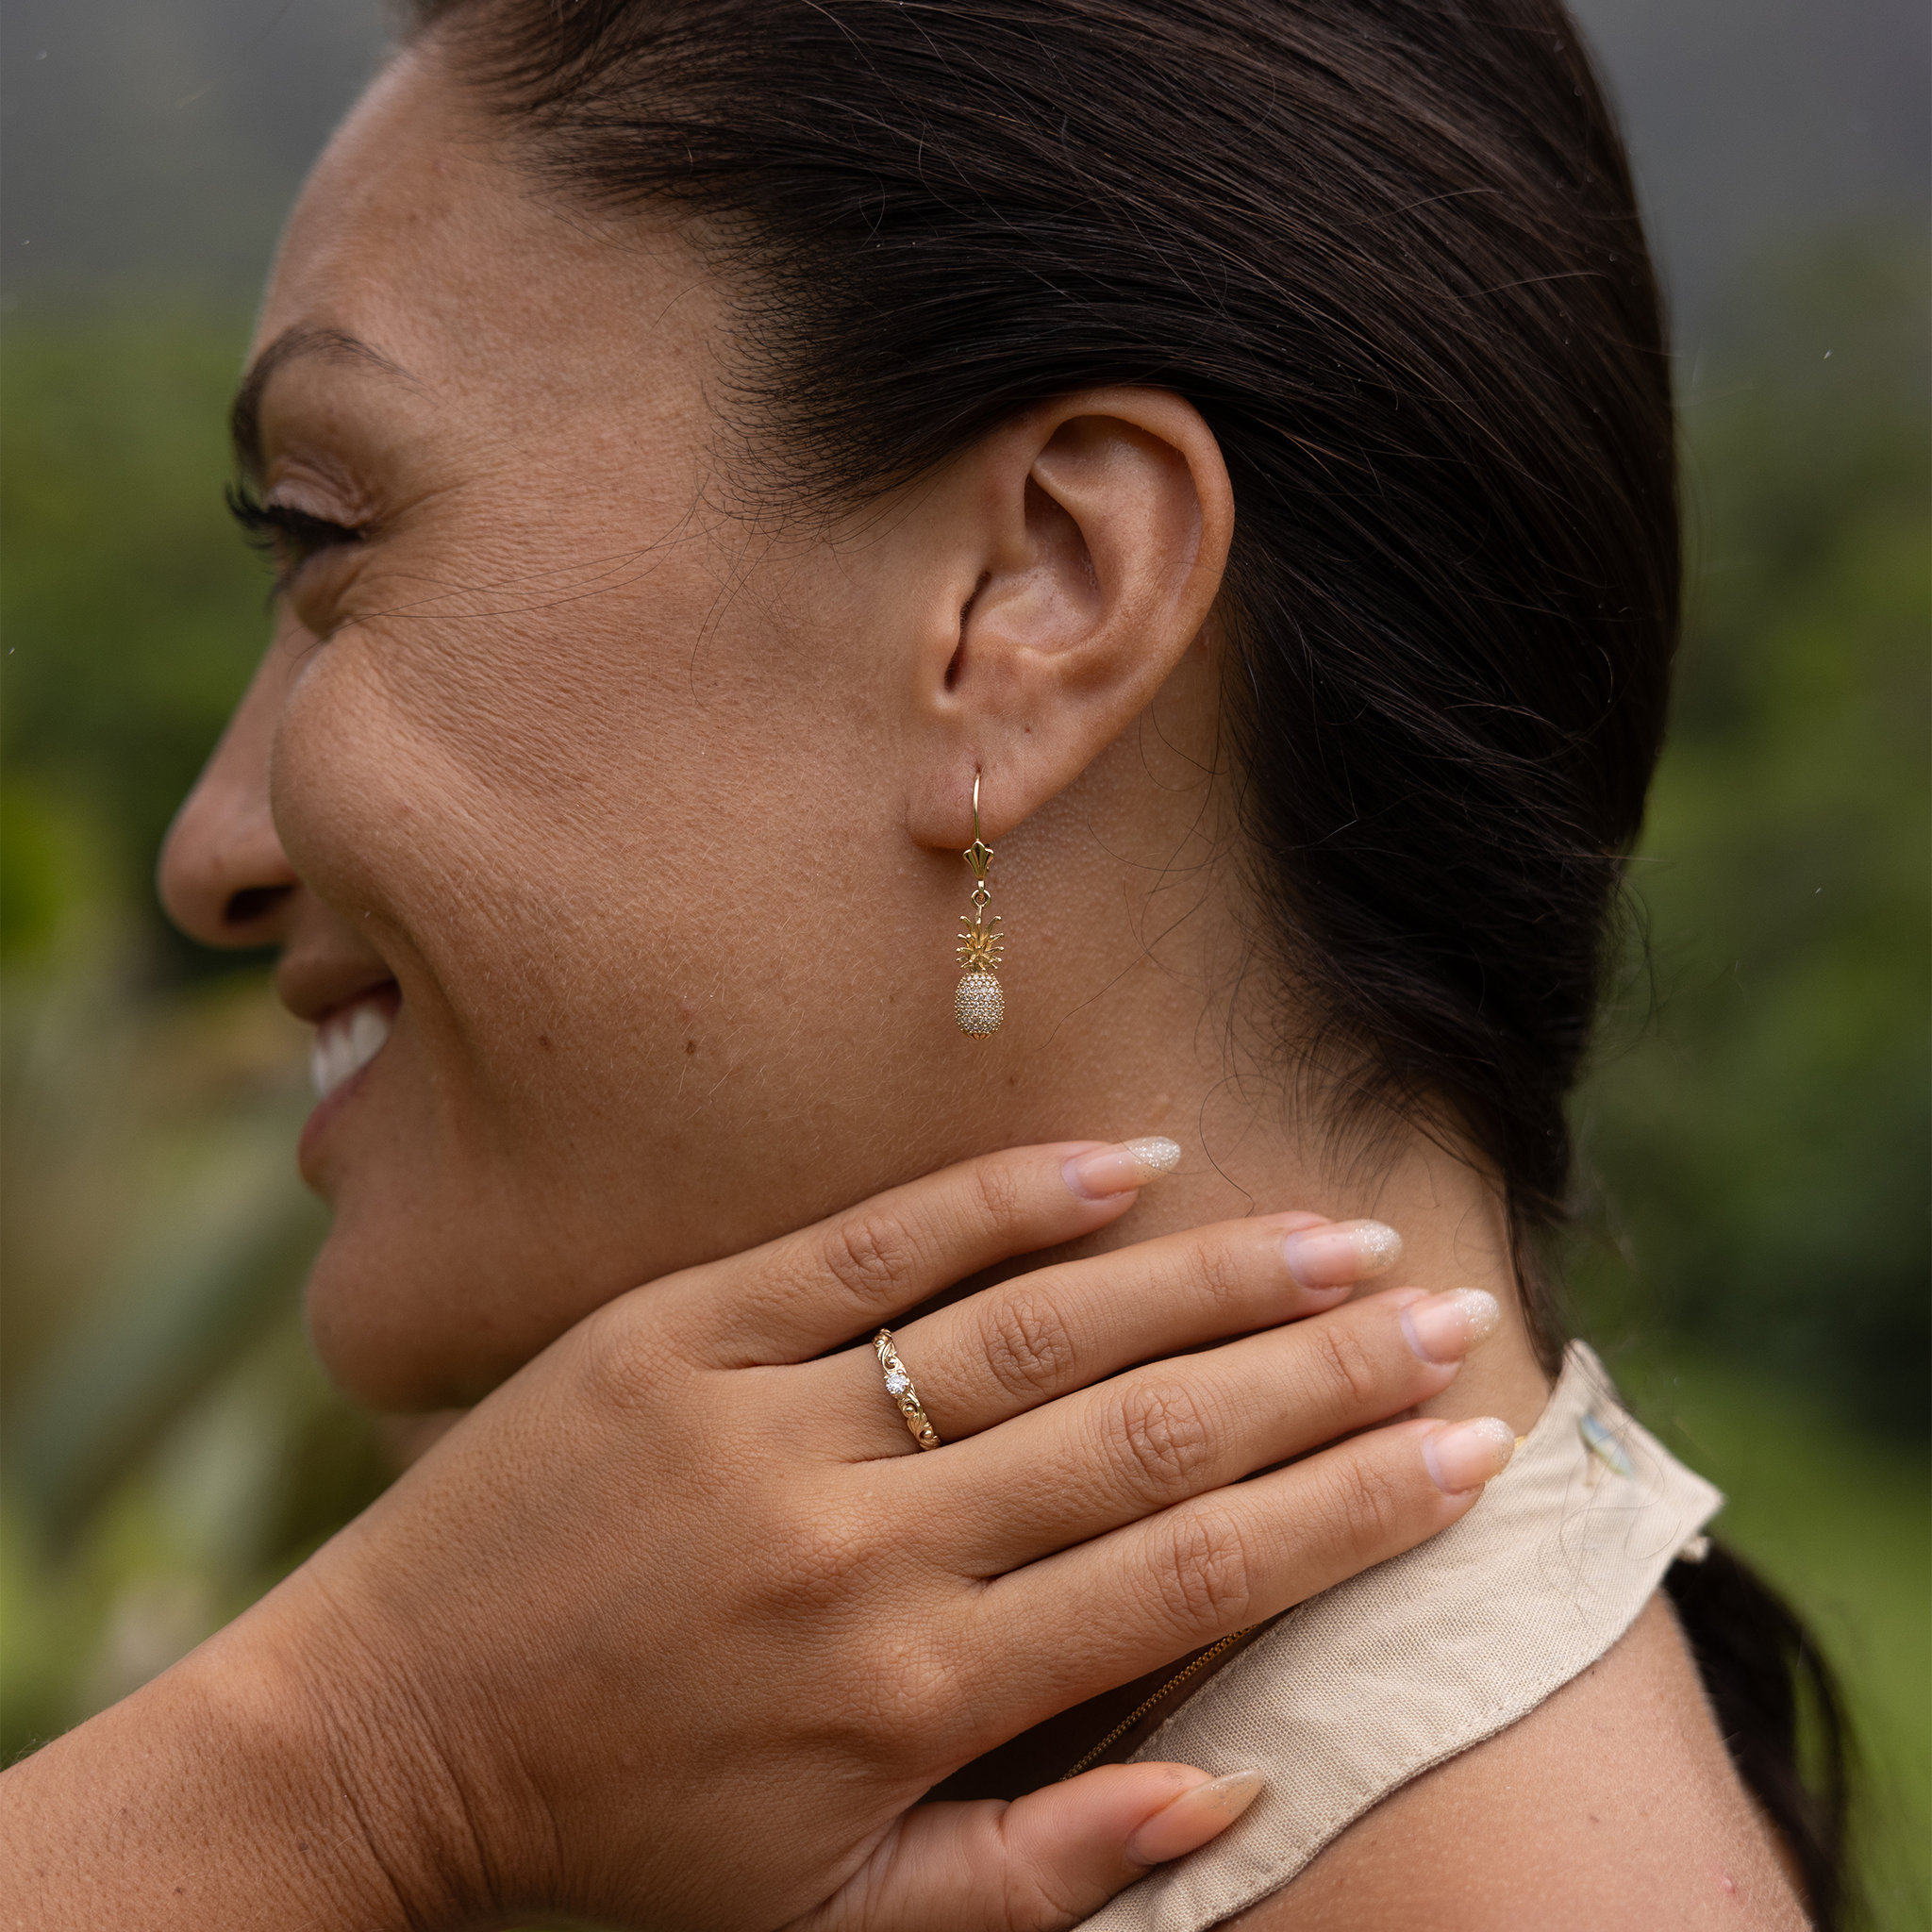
(678, 1625)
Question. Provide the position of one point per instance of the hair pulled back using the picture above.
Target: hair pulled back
(1390, 249)
(1392, 254)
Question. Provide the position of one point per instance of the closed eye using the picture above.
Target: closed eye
(285, 536)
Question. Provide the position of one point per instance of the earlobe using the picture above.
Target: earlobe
(1083, 546)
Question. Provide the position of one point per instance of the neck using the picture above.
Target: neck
(1239, 1160)
(1122, 1039)
(1451, 1220)
(1138, 1005)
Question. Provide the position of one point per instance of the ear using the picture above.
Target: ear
(1073, 557)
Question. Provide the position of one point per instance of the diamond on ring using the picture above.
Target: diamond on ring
(905, 1396)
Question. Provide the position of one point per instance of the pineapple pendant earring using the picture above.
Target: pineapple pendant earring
(978, 1004)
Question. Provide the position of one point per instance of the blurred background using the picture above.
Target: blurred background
(1753, 1260)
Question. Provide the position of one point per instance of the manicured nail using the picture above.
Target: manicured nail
(1466, 1454)
(1446, 1327)
(1343, 1252)
(1104, 1171)
(1194, 1817)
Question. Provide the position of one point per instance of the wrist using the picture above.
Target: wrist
(326, 1717)
(268, 1778)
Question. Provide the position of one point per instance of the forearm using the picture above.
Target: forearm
(226, 1794)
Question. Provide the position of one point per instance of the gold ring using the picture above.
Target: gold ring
(905, 1396)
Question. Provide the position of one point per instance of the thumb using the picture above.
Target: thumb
(1042, 1862)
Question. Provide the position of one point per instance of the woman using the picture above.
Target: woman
(1212, 465)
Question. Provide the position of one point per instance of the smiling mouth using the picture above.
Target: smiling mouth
(349, 1038)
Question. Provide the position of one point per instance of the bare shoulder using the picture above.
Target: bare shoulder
(1613, 1806)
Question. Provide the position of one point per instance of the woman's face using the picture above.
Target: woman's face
(578, 798)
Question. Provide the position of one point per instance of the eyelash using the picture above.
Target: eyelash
(287, 537)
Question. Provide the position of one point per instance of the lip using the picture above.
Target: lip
(388, 997)
(314, 983)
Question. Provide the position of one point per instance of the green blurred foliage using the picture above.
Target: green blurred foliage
(132, 616)
(1756, 1267)
(1763, 1146)
(172, 1448)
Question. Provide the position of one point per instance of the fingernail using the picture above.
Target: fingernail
(1446, 1327)
(1194, 1817)
(1104, 1171)
(1343, 1252)
(1466, 1454)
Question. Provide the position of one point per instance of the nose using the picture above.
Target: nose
(224, 878)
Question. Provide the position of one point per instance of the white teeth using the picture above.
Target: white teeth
(346, 1043)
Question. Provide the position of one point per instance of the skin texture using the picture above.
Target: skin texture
(653, 816)
(485, 1704)
(642, 816)
(1535, 1827)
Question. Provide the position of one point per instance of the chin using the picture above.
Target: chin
(420, 1301)
(377, 1334)
(395, 1327)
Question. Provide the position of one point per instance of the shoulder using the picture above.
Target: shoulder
(1613, 1806)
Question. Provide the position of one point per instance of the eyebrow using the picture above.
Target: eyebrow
(332, 345)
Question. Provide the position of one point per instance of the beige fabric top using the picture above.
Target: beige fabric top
(1362, 1687)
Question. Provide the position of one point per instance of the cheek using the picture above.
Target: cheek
(620, 881)
(570, 872)
(379, 820)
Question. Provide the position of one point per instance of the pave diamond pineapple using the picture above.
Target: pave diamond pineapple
(978, 1004)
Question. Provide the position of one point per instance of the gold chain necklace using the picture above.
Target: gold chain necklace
(1173, 1684)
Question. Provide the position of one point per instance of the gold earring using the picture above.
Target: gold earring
(978, 1004)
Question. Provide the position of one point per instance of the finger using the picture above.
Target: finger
(1157, 1436)
(1044, 1862)
(795, 1297)
(1138, 1598)
(1026, 1342)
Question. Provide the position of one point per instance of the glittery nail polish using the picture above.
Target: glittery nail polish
(1104, 1171)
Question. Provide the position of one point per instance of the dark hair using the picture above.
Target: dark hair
(1768, 1685)
(1389, 250)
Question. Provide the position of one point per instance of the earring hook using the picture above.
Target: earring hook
(979, 854)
